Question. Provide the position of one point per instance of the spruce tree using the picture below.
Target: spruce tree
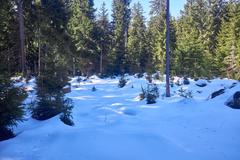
(54, 61)
(121, 18)
(11, 109)
(157, 31)
(228, 51)
(137, 42)
(190, 47)
(103, 39)
(9, 42)
(81, 27)
(11, 97)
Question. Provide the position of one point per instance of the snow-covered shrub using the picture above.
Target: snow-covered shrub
(122, 82)
(185, 93)
(151, 93)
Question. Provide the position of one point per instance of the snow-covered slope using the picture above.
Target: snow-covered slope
(112, 124)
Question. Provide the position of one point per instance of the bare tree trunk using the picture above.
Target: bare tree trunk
(39, 53)
(74, 66)
(101, 61)
(8, 62)
(167, 52)
(21, 36)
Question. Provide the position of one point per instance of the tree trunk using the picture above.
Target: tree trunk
(39, 53)
(167, 52)
(74, 66)
(101, 61)
(21, 36)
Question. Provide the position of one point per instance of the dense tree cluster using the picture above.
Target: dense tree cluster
(204, 40)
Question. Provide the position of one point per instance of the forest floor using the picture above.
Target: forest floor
(113, 124)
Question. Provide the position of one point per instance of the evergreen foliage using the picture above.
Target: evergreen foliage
(204, 40)
(104, 40)
(151, 93)
(137, 56)
(11, 109)
(122, 82)
(121, 19)
(228, 52)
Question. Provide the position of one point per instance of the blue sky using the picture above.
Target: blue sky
(175, 6)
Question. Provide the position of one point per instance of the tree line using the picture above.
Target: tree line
(204, 40)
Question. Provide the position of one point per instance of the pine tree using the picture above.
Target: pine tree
(137, 43)
(190, 47)
(157, 31)
(54, 61)
(11, 110)
(157, 36)
(214, 14)
(11, 97)
(9, 42)
(228, 42)
(81, 27)
(121, 18)
(103, 38)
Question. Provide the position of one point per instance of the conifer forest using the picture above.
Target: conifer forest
(92, 67)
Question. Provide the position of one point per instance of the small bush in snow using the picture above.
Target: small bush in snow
(94, 88)
(122, 82)
(158, 76)
(185, 93)
(186, 81)
(149, 78)
(138, 75)
(178, 82)
(66, 116)
(79, 79)
(151, 93)
(142, 95)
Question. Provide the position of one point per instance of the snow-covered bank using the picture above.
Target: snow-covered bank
(111, 124)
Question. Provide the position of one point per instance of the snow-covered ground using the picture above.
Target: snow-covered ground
(112, 124)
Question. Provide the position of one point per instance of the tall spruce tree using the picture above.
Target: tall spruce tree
(103, 38)
(11, 97)
(54, 70)
(137, 42)
(81, 27)
(121, 18)
(157, 31)
(190, 47)
(228, 52)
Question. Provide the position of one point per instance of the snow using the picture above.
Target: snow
(112, 124)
